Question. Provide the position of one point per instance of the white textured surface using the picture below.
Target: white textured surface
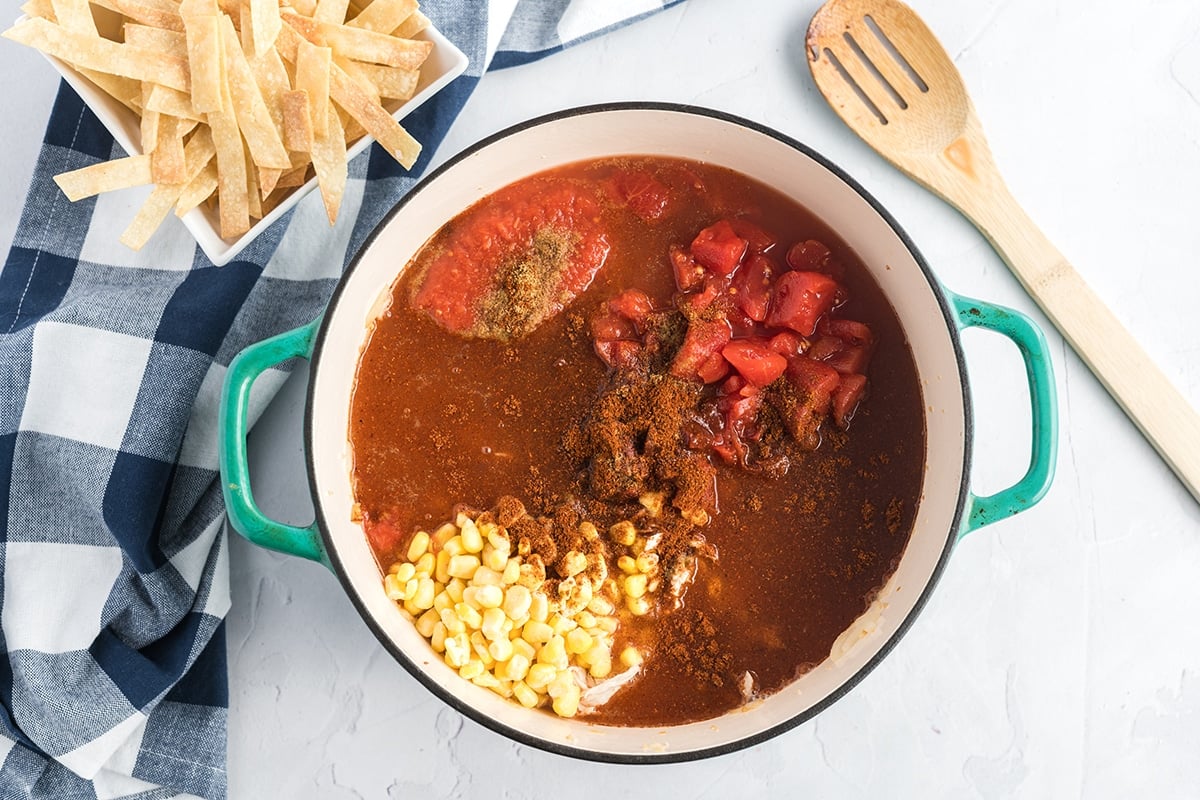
(1060, 655)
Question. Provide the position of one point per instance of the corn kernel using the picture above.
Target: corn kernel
(536, 632)
(489, 596)
(517, 667)
(567, 704)
(493, 624)
(539, 607)
(623, 532)
(486, 576)
(455, 589)
(426, 564)
(638, 606)
(424, 595)
(573, 563)
(499, 540)
(539, 676)
(626, 564)
(523, 648)
(438, 638)
(588, 531)
(426, 622)
(479, 644)
(458, 650)
(501, 649)
(463, 566)
(441, 569)
(561, 684)
(647, 562)
(561, 625)
(516, 601)
(494, 559)
(443, 600)
(488, 681)
(601, 606)
(454, 625)
(525, 696)
(418, 546)
(578, 641)
(410, 588)
(635, 585)
(472, 669)
(554, 653)
(442, 535)
(405, 572)
(393, 587)
(652, 502)
(631, 656)
(597, 652)
(455, 547)
(472, 539)
(512, 572)
(468, 615)
(601, 667)
(607, 624)
(470, 596)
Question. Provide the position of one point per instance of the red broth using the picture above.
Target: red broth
(450, 411)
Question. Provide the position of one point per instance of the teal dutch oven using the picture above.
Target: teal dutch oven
(932, 316)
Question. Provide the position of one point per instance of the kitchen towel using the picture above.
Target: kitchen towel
(113, 558)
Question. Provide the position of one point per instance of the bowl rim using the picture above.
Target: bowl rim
(669, 757)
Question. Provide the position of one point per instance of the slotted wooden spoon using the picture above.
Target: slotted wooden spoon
(888, 78)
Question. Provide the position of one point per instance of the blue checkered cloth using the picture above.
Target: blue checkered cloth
(114, 579)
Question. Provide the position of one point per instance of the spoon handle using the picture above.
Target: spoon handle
(1158, 409)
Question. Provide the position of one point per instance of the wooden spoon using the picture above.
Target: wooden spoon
(888, 78)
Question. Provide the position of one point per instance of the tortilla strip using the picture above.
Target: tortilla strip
(331, 11)
(390, 82)
(253, 118)
(378, 48)
(155, 13)
(272, 79)
(198, 189)
(313, 64)
(253, 192)
(168, 101)
(125, 91)
(265, 24)
(149, 129)
(293, 178)
(374, 118)
(412, 26)
(198, 8)
(198, 156)
(352, 68)
(75, 15)
(204, 61)
(101, 55)
(171, 43)
(231, 166)
(384, 16)
(268, 177)
(166, 162)
(329, 160)
(106, 176)
(40, 9)
(297, 122)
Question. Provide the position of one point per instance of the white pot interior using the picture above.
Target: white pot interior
(683, 134)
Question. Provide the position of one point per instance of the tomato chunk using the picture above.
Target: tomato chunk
(812, 384)
(787, 344)
(752, 284)
(849, 331)
(713, 369)
(634, 305)
(719, 248)
(688, 274)
(758, 239)
(808, 256)
(846, 398)
(850, 360)
(800, 299)
(644, 194)
(618, 353)
(703, 339)
(754, 361)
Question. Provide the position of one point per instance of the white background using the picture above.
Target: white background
(1060, 654)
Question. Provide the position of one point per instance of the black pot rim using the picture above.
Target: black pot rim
(470, 711)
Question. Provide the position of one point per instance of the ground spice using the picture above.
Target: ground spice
(525, 286)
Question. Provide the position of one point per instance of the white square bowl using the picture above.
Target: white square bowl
(445, 63)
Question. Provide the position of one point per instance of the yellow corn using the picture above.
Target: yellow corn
(486, 576)
(623, 533)
(631, 657)
(501, 649)
(554, 653)
(627, 564)
(426, 622)
(405, 572)
(393, 587)
(423, 599)
(463, 566)
(573, 563)
(442, 567)
(512, 571)
(418, 546)
(470, 617)
(539, 676)
(635, 585)
(438, 638)
(472, 540)
(426, 565)
(489, 596)
(647, 562)
(517, 667)
(638, 606)
(493, 624)
(455, 589)
(578, 641)
(525, 696)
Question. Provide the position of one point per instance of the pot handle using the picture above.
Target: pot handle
(1028, 338)
(244, 514)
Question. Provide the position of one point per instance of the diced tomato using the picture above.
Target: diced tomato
(848, 331)
(714, 288)
(733, 384)
(382, 534)
(825, 347)
(846, 398)
(702, 340)
(634, 305)
(713, 369)
(800, 299)
(618, 353)
(608, 326)
(754, 361)
(688, 274)
(757, 239)
(644, 194)
(741, 325)
(787, 344)
(752, 282)
(850, 360)
(813, 384)
(718, 248)
(808, 256)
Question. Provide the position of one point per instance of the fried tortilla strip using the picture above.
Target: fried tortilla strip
(268, 178)
(197, 155)
(106, 176)
(125, 91)
(329, 160)
(205, 61)
(166, 161)
(253, 118)
(313, 64)
(75, 15)
(253, 192)
(198, 8)
(150, 123)
(377, 48)
(272, 79)
(156, 13)
(293, 178)
(198, 189)
(384, 16)
(231, 164)
(331, 11)
(169, 101)
(40, 9)
(297, 122)
(390, 82)
(101, 55)
(143, 37)
(412, 26)
(374, 118)
(265, 24)
(305, 7)
(352, 68)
